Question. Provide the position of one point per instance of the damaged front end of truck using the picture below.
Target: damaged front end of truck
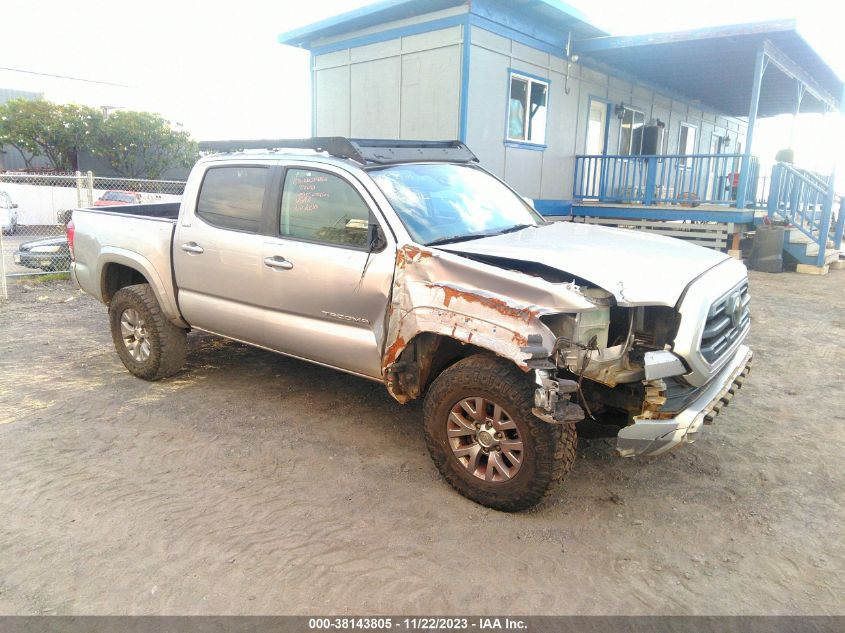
(595, 353)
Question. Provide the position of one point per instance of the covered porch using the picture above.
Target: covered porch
(749, 71)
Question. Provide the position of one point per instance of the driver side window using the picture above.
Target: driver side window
(320, 207)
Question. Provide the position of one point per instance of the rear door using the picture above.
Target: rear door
(329, 294)
(218, 251)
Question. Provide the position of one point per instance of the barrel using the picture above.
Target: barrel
(767, 249)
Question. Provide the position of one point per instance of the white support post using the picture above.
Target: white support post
(89, 181)
(759, 70)
(799, 97)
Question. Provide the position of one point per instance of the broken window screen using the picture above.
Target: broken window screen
(527, 108)
(232, 197)
(321, 207)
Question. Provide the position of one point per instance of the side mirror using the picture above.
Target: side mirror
(375, 238)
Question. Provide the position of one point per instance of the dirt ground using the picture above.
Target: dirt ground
(255, 484)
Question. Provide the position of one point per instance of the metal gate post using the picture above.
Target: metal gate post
(4, 291)
(78, 176)
(89, 180)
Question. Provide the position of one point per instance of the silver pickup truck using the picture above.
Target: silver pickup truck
(407, 263)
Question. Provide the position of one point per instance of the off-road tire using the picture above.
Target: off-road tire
(549, 449)
(168, 343)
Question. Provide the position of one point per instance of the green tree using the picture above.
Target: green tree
(18, 128)
(144, 145)
(36, 127)
(786, 155)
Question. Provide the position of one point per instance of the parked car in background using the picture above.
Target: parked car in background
(115, 197)
(8, 214)
(49, 254)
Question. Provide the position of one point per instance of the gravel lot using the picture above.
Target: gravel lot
(255, 484)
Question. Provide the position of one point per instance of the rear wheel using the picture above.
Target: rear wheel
(485, 440)
(149, 345)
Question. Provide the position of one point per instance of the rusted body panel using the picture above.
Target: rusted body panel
(441, 293)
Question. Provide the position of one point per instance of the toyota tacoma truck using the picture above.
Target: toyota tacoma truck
(407, 263)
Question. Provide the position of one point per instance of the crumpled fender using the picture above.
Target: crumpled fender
(441, 293)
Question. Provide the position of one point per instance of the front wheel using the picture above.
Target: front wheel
(149, 345)
(485, 441)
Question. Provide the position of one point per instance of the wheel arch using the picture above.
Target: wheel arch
(423, 358)
(120, 268)
(116, 276)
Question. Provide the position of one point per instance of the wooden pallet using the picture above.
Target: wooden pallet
(709, 234)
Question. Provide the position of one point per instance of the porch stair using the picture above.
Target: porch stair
(805, 203)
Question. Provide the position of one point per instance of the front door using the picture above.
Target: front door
(329, 294)
(595, 145)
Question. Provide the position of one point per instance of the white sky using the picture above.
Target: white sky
(216, 68)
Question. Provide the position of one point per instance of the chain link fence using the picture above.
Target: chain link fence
(35, 210)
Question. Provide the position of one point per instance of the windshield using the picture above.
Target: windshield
(438, 203)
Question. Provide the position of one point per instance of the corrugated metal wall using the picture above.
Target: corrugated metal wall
(408, 87)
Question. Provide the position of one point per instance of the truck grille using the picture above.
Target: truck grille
(727, 319)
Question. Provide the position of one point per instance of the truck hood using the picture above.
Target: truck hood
(636, 267)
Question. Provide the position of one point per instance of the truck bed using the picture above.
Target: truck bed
(135, 236)
(158, 210)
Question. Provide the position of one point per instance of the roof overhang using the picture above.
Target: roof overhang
(546, 20)
(715, 66)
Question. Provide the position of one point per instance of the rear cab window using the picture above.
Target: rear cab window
(232, 197)
(319, 206)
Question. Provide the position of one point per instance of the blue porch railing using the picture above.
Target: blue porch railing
(662, 179)
(805, 200)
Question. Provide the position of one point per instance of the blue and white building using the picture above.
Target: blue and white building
(627, 130)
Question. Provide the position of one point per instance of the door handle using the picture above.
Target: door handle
(279, 263)
(192, 247)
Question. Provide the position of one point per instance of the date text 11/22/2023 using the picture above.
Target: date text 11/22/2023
(417, 624)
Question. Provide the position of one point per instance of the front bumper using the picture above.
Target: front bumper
(653, 437)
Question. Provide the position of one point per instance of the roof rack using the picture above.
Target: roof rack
(361, 150)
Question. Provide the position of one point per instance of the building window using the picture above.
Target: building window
(527, 108)
(631, 131)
